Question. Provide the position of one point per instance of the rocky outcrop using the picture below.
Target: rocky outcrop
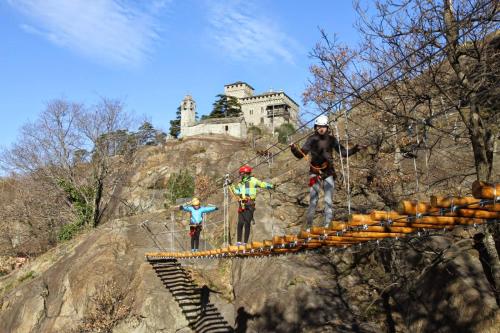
(145, 189)
(106, 262)
(349, 291)
(100, 282)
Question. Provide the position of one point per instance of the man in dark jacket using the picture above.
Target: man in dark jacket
(320, 147)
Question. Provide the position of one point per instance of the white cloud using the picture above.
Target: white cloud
(114, 31)
(243, 34)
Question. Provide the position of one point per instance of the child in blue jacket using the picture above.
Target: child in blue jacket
(197, 212)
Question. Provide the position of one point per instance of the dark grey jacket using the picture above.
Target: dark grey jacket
(321, 148)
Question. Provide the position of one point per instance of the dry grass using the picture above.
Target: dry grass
(107, 309)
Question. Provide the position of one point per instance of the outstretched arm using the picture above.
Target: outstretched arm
(262, 184)
(301, 152)
(214, 291)
(209, 209)
(185, 208)
(337, 146)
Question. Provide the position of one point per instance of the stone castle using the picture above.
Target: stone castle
(267, 111)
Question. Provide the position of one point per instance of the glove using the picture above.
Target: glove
(228, 180)
(216, 208)
(181, 207)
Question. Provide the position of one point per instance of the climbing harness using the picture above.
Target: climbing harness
(313, 180)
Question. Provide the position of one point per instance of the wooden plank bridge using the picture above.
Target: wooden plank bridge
(410, 218)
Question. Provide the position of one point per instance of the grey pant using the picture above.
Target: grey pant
(328, 185)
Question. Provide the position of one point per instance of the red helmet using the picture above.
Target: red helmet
(246, 169)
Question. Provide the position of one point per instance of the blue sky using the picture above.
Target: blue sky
(152, 53)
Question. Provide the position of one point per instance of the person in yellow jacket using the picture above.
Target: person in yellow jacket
(246, 190)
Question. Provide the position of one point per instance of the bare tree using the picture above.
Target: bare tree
(426, 76)
(31, 213)
(76, 152)
(102, 126)
(420, 61)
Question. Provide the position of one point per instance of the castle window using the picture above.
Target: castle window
(227, 128)
(262, 120)
(261, 109)
(251, 112)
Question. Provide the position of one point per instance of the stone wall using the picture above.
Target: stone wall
(237, 129)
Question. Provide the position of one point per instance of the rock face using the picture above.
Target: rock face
(338, 292)
(100, 282)
(106, 262)
(211, 156)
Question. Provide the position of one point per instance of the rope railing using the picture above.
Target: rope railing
(441, 213)
(369, 83)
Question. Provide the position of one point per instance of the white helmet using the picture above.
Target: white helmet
(321, 121)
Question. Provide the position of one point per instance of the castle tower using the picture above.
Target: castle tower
(188, 112)
(238, 89)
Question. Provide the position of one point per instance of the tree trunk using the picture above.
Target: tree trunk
(493, 258)
(484, 165)
(482, 144)
(479, 139)
(97, 202)
(398, 158)
(480, 136)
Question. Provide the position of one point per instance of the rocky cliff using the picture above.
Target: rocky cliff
(100, 281)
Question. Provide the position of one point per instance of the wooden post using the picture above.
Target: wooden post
(406, 207)
(482, 190)
(382, 215)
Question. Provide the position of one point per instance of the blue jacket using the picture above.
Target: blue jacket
(197, 214)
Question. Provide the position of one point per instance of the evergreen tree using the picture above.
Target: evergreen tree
(146, 134)
(225, 106)
(179, 185)
(175, 125)
(284, 131)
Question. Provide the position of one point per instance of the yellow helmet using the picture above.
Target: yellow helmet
(195, 202)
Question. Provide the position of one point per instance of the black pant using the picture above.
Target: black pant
(195, 238)
(245, 220)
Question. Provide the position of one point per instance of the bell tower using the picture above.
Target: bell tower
(188, 112)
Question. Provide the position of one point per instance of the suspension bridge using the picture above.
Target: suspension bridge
(412, 218)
